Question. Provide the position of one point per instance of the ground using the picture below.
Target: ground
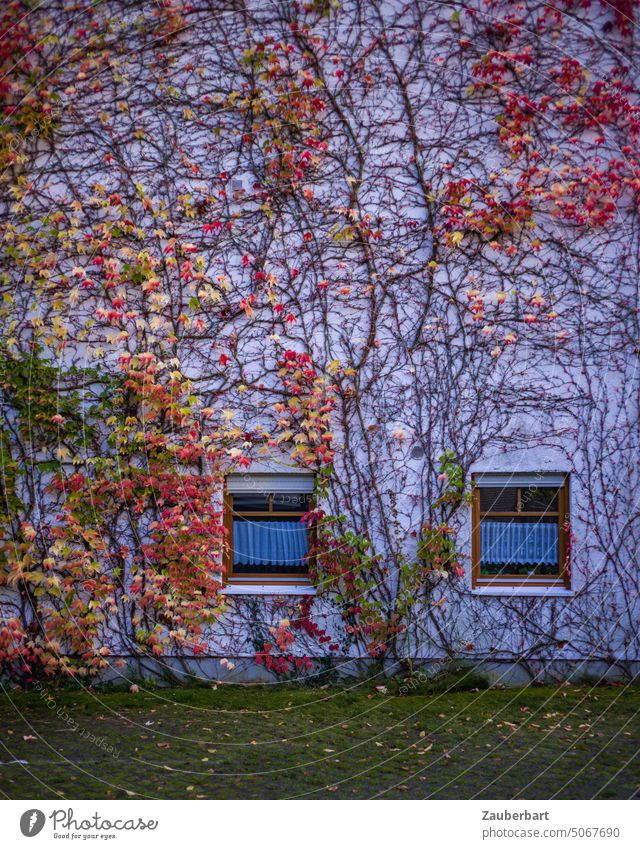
(252, 742)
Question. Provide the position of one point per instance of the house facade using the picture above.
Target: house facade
(320, 351)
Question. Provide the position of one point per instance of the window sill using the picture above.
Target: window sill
(524, 592)
(269, 589)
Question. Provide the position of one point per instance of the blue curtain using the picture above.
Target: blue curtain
(518, 542)
(257, 543)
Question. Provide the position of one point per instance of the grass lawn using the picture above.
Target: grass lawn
(276, 742)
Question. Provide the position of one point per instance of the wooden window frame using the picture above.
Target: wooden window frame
(562, 579)
(280, 579)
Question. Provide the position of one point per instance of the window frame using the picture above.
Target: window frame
(282, 579)
(562, 579)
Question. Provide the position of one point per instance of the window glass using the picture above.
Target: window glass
(538, 498)
(245, 501)
(291, 501)
(506, 499)
(498, 498)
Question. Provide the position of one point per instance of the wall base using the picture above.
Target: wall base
(242, 670)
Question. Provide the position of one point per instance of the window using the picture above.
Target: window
(520, 530)
(266, 540)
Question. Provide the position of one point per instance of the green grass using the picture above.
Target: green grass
(276, 742)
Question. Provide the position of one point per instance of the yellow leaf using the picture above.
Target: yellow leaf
(285, 436)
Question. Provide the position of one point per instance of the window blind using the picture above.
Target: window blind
(522, 479)
(264, 483)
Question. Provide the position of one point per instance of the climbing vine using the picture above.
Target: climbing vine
(381, 240)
